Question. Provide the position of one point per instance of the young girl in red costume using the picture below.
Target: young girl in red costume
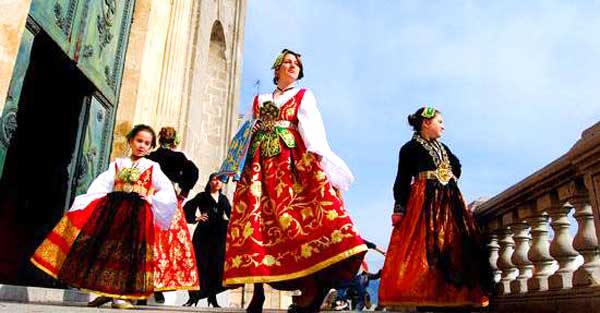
(104, 243)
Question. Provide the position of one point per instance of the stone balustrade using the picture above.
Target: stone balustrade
(537, 272)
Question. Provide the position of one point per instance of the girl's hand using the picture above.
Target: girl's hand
(202, 218)
(396, 219)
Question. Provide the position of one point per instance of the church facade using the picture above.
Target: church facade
(76, 75)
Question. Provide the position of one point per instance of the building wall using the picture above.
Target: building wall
(12, 25)
(183, 69)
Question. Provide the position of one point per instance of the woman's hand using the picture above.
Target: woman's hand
(256, 126)
(397, 218)
(202, 218)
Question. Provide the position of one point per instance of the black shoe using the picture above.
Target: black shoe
(141, 302)
(159, 297)
(191, 302)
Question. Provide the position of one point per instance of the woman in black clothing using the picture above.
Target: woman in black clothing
(211, 210)
(173, 163)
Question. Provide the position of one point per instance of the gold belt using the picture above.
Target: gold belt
(442, 175)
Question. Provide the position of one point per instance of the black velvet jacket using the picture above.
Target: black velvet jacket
(177, 167)
(413, 159)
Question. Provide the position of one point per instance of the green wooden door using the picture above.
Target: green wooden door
(94, 142)
(8, 118)
(59, 18)
(103, 42)
(94, 34)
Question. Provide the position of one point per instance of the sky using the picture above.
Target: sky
(517, 83)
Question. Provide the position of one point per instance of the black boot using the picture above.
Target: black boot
(212, 300)
(258, 299)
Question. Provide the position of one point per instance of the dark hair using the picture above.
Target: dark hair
(139, 128)
(207, 187)
(297, 55)
(166, 136)
(416, 119)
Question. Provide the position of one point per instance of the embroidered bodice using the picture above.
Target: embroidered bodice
(131, 179)
(276, 123)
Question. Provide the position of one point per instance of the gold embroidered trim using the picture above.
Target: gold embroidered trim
(43, 268)
(434, 304)
(313, 269)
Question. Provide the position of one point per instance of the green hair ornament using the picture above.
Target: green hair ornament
(428, 112)
(177, 139)
(278, 60)
(280, 57)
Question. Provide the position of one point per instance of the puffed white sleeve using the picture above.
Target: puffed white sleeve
(313, 134)
(102, 185)
(164, 200)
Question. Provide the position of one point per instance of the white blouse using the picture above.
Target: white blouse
(163, 201)
(312, 131)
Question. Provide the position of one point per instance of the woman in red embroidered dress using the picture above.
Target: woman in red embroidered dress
(104, 243)
(436, 257)
(288, 225)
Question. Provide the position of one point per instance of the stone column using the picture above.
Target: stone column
(586, 243)
(509, 270)
(539, 253)
(520, 259)
(561, 248)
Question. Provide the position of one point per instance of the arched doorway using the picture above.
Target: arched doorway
(209, 114)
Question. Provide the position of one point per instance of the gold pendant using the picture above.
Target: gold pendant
(444, 173)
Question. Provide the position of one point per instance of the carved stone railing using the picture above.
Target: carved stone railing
(534, 273)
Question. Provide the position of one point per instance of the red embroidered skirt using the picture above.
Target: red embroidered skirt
(174, 259)
(106, 248)
(434, 257)
(288, 222)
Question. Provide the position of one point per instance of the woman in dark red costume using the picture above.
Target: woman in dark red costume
(435, 257)
(288, 224)
(105, 242)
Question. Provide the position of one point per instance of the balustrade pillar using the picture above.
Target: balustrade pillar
(561, 248)
(509, 270)
(494, 249)
(586, 243)
(519, 258)
(539, 253)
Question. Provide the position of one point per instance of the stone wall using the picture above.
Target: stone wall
(214, 85)
(183, 70)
